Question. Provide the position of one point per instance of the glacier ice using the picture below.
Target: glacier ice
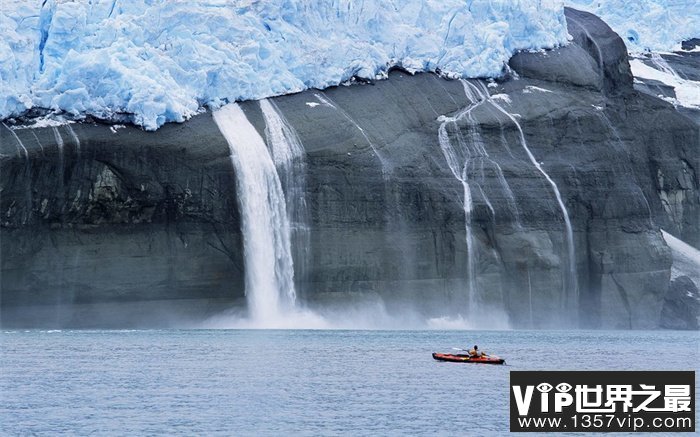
(647, 25)
(154, 61)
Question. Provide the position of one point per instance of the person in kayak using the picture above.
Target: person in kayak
(475, 353)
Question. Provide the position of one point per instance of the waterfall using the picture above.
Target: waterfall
(509, 195)
(288, 155)
(283, 141)
(325, 100)
(619, 146)
(36, 138)
(61, 166)
(58, 137)
(662, 65)
(269, 269)
(21, 149)
(460, 173)
(76, 140)
(458, 160)
(572, 287)
(19, 142)
(468, 150)
(471, 148)
(59, 143)
(529, 295)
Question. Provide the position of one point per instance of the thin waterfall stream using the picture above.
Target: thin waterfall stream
(325, 100)
(289, 157)
(461, 150)
(19, 142)
(570, 289)
(459, 169)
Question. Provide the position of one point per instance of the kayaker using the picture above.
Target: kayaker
(476, 353)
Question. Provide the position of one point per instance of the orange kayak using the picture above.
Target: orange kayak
(460, 358)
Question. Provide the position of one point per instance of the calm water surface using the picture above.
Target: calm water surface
(302, 382)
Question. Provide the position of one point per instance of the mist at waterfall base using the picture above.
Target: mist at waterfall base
(363, 312)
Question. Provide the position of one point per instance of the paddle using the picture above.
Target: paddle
(466, 350)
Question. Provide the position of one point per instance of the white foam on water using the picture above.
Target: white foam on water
(448, 323)
(295, 318)
(364, 313)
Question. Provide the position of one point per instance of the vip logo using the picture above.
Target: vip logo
(613, 401)
(590, 399)
(561, 398)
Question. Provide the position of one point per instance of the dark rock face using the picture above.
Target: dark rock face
(597, 59)
(137, 228)
(690, 44)
(605, 47)
(681, 305)
(116, 217)
(677, 181)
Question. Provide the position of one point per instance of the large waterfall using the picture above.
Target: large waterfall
(269, 268)
(288, 155)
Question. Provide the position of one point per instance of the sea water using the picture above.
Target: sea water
(266, 382)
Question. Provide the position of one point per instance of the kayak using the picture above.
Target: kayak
(459, 358)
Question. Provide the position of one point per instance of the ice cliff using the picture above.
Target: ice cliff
(155, 62)
(151, 62)
(655, 25)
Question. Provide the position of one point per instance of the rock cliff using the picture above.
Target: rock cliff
(104, 225)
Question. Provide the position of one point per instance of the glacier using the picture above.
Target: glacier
(647, 25)
(152, 62)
